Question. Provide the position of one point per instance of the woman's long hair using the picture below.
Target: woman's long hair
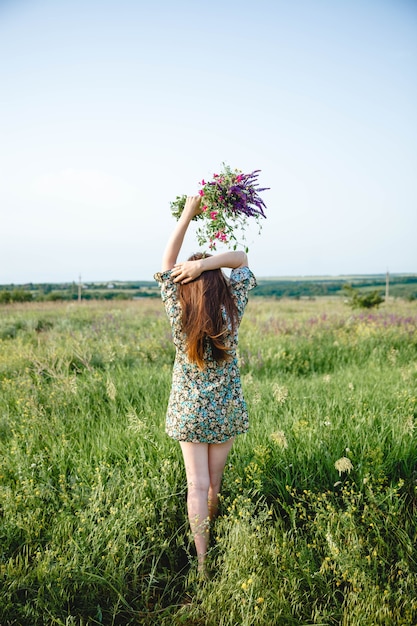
(204, 302)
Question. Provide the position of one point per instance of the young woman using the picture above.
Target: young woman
(206, 408)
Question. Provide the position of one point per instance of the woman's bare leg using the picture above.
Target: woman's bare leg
(204, 465)
(217, 456)
(198, 482)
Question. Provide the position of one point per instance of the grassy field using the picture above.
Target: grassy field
(318, 517)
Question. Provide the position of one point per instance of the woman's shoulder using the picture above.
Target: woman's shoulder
(161, 277)
(168, 287)
(242, 276)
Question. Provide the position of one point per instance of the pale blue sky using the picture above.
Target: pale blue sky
(109, 109)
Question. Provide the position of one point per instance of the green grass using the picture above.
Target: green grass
(93, 526)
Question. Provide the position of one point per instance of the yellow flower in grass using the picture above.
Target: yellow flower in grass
(280, 393)
(246, 584)
(280, 439)
(343, 465)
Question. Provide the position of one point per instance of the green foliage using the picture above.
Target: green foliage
(367, 300)
(16, 295)
(56, 296)
(93, 525)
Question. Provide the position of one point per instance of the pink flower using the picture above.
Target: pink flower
(225, 200)
(221, 235)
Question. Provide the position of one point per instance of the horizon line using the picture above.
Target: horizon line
(272, 277)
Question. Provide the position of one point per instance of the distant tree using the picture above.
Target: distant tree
(5, 297)
(16, 295)
(21, 295)
(54, 296)
(368, 300)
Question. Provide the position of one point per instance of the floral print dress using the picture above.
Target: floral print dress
(205, 406)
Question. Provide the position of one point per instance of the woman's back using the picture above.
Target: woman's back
(206, 404)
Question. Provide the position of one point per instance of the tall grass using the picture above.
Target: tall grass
(93, 526)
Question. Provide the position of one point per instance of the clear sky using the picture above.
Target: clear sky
(111, 108)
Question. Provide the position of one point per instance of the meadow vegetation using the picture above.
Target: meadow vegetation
(318, 512)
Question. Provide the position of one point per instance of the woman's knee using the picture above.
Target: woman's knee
(199, 485)
(215, 485)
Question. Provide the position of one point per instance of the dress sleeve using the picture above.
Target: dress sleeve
(168, 287)
(241, 282)
(169, 295)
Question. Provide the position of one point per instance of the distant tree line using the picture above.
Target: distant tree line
(364, 291)
(399, 287)
(296, 289)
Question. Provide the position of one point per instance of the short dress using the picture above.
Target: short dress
(205, 406)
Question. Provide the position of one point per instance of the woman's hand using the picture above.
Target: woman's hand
(191, 209)
(187, 271)
(192, 206)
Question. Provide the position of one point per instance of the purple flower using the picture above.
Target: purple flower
(230, 198)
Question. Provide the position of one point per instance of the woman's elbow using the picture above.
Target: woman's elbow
(243, 260)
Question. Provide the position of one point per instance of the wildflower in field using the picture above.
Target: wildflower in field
(332, 545)
(135, 424)
(326, 378)
(256, 398)
(72, 384)
(230, 198)
(343, 465)
(248, 379)
(246, 584)
(392, 356)
(280, 439)
(351, 386)
(111, 389)
(409, 425)
(280, 393)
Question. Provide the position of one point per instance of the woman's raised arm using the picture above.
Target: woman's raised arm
(173, 247)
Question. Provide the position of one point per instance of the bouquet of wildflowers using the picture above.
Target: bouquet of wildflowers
(227, 202)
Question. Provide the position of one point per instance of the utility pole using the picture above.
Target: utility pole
(79, 288)
(387, 286)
